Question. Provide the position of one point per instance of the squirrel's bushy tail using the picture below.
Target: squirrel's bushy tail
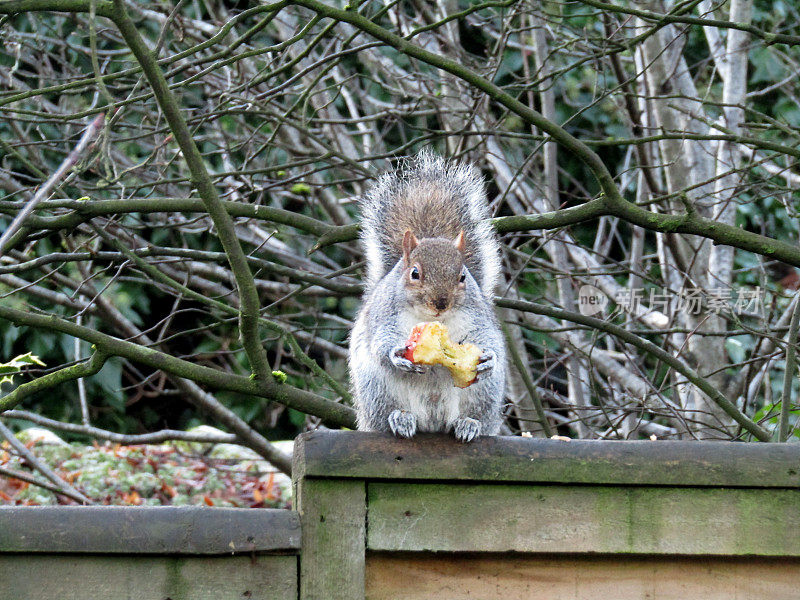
(432, 197)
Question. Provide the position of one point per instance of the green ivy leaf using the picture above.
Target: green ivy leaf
(15, 365)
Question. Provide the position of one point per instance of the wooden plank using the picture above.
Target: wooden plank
(147, 530)
(470, 577)
(554, 518)
(67, 577)
(333, 515)
(356, 454)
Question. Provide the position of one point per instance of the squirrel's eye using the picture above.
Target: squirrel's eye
(463, 277)
(414, 273)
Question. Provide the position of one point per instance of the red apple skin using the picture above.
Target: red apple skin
(411, 344)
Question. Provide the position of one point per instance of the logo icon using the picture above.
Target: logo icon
(591, 300)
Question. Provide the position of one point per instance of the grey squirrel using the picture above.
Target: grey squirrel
(431, 255)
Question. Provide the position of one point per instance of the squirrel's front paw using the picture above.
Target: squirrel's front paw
(403, 424)
(402, 363)
(467, 429)
(486, 363)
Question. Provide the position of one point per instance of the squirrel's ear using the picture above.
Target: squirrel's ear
(410, 242)
(460, 242)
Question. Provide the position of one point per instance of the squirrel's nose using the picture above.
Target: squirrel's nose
(440, 303)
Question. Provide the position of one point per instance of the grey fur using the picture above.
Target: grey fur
(458, 191)
(391, 395)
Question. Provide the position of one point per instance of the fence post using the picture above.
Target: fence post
(333, 517)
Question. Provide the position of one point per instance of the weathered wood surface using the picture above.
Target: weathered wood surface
(333, 514)
(147, 530)
(361, 455)
(596, 519)
(492, 577)
(67, 577)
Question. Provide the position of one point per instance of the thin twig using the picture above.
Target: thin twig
(44, 191)
(156, 437)
(64, 487)
(42, 484)
(790, 374)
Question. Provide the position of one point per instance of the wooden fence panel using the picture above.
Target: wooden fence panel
(539, 519)
(120, 577)
(148, 553)
(596, 519)
(525, 577)
(147, 530)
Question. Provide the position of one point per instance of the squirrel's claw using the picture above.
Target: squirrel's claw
(486, 363)
(467, 429)
(402, 363)
(402, 423)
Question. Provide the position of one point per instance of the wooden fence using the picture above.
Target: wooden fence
(508, 518)
(148, 553)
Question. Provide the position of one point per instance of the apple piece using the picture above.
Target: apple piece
(430, 344)
(462, 361)
(424, 345)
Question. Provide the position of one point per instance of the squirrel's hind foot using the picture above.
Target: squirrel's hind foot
(402, 423)
(467, 429)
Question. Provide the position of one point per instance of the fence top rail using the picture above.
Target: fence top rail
(361, 455)
(184, 530)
